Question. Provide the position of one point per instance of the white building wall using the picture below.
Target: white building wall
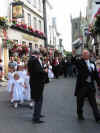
(4, 8)
(16, 35)
(49, 24)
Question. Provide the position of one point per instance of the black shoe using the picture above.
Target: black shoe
(80, 117)
(37, 121)
(98, 120)
(42, 116)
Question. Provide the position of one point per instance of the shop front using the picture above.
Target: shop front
(21, 40)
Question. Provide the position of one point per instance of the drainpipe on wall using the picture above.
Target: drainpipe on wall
(45, 22)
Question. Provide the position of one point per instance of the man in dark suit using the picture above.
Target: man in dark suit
(85, 87)
(37, 80)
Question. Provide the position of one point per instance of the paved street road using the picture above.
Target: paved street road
(59, 108)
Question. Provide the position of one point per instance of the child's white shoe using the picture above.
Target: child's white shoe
(15, 105)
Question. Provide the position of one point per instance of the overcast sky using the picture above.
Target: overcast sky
(63, 9)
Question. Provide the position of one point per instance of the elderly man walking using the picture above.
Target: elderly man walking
(37, 80)
(85, 87)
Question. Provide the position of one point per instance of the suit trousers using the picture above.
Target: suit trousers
(90, 94)
(37, 108)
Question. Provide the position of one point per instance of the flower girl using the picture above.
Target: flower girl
(10, 81)
(17, 90)
(50, 72)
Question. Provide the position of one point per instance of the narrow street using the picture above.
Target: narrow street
(59, 109)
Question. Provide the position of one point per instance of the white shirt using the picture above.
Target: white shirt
(90, 65)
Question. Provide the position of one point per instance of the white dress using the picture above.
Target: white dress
(18, 90)
(10, 80)
(50, 72)
(27, 89)
(21, 74)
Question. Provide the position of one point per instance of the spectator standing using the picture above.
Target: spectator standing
(37, 80)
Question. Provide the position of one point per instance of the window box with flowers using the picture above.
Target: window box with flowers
(24, 28)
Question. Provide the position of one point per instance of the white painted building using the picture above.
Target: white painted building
(52, 33)
(49, 15)
(32, 17)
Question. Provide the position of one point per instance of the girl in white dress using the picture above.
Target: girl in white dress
(18, 87)
(10, 81)
(50, 72)
(27, 89)
(27, 93)
(20, 71)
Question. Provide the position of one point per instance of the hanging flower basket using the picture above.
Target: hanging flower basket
(20, 49)
(3, 22)
(97, 22)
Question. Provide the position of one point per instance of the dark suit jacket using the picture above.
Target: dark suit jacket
(37, 77)
(83, 73)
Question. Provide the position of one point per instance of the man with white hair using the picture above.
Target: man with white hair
(37, 80)
(85, 87)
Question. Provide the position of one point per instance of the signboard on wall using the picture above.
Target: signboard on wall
(30, 38)
(17, 10)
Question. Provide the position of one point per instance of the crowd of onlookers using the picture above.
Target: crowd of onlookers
(55, 67)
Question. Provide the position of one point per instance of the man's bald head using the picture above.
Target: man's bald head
(85, 54)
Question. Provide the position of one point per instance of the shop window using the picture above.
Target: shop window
(36, 45)
(23, 42)
(15, 41)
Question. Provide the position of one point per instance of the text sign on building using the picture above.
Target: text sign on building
(17, 10)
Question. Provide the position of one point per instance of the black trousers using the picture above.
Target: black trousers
(90, 94)
(37, 108)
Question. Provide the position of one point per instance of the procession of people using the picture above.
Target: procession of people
(27, 79)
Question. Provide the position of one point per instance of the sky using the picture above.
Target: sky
(62, 10)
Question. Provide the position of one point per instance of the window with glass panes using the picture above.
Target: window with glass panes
(29, 19)
(40, 25)
(35, 23)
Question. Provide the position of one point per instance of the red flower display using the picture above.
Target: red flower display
(19, 48)
(30, 29)
(26, 28)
